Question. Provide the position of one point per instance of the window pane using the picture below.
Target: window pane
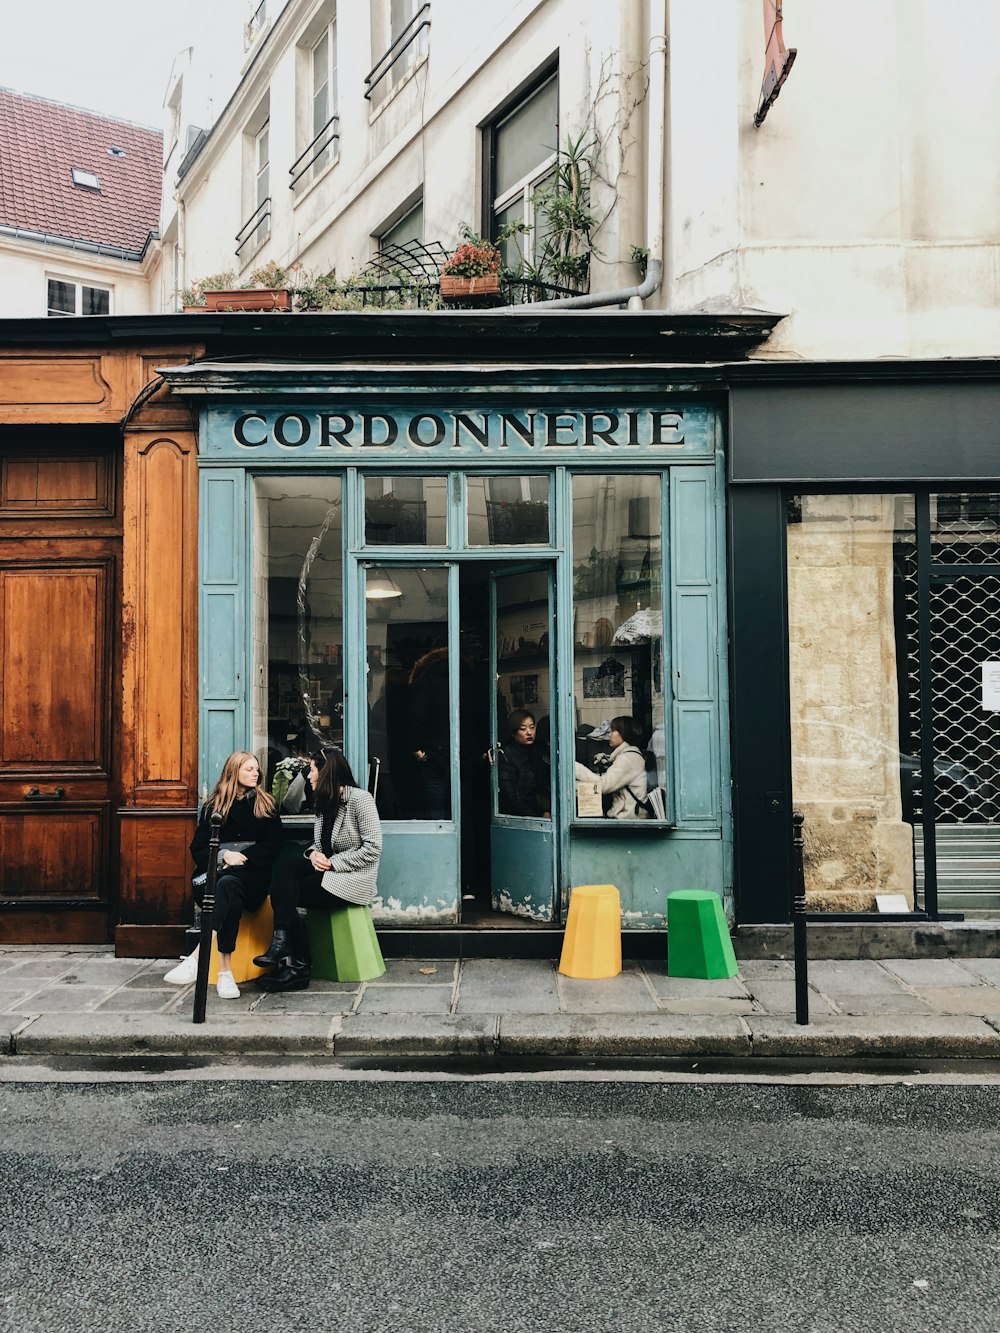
(527, 137)
(62, 297)
(508, 511)
(408, 228)
(406, 511)
(513, 248)
(522, 771)
(96, 301)
(619, 682)
(852, 626)
(299, 693)
(409, 719)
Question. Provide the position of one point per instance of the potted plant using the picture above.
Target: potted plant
(266, 289)
(473, 269)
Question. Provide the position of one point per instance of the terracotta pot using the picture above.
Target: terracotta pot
(279, 298)
(486, 284)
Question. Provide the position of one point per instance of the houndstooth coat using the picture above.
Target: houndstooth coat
(357, 848)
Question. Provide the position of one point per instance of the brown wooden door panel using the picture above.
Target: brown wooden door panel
(58, 854)
(55, 666)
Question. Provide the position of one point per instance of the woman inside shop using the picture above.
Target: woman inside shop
(624, 785)
(339, 870)
(250, 840)
(523, 775)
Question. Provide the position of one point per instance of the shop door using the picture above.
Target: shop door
(57, 676)
(523, 844)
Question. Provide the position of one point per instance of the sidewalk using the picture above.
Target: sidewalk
(86, 1002)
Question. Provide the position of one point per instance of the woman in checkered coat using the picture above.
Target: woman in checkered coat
(340, 867)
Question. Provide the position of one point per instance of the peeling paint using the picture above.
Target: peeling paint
(503, 902)
(391, 912)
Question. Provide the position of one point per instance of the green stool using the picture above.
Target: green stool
(343, 944)
(698, 943)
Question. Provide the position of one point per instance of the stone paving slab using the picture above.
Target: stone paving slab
(854, 978)
(691, 988)
(981, 1000)
(402, 999)
(508, 985)
(65, 999)
(986, 969)
(44, 965)
(305, 1002)
(106, 971)
(937, 972)
(417, 1034)
(840, 1035)
(901, 1002)
(417, 971)
(710, 1005)
(778, 997)
(135, 1002)
(627, 993)
(165, 1034)
(13, 1001)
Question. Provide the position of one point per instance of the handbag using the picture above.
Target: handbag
(232, 847)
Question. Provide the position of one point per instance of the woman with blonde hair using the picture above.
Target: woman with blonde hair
(249, 843)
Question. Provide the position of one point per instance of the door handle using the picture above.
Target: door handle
(33, 794)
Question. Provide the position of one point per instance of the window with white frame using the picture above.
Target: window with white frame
(66, 297)
(400, 31)
(324, 95)
(317, 120)
(522, 149)
(257, 204)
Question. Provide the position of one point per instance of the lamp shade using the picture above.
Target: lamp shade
(380, 587)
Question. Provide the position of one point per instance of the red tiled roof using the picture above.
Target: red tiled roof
(40, 144)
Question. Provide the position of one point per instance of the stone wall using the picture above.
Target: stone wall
(844, 710)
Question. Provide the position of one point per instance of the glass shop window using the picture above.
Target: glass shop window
(406, 511)
(618, 677)
(298, 630)
(409, 719)
(508, 511)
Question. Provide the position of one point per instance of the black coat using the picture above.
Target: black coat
(524, 780)
(241, 825)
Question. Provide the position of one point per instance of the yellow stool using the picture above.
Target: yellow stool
(256, 929)
(592, 946)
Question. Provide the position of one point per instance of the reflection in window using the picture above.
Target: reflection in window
(406, 511)
(618, 676)
(298, 629)
(522, 768)
(508, 511)
(854, 772)
(409, 724)
(523, 155)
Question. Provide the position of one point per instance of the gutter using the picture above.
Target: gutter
(656, 130)
(87, 247)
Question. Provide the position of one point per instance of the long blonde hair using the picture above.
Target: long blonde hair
(227, 789)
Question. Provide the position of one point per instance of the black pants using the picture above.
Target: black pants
(297, 885)
(234, 895)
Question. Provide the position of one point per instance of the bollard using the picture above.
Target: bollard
(207, 912)
(799, 921)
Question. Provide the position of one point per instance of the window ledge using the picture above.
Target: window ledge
(406, 80)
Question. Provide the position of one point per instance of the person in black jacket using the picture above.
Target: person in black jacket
(249, 816)
(523, 775)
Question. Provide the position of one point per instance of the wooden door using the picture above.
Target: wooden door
(59, 603)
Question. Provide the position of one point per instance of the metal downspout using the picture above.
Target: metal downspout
(655, 169)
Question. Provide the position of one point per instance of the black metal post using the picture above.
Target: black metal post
(799, 921)
(207, 912)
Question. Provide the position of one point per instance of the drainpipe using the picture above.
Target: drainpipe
(656, 134)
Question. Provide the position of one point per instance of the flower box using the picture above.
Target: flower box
(484, 284)
(261, 298)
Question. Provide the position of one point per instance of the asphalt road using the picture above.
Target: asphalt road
(498, 1206)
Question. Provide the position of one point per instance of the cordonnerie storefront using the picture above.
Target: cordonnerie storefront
(500, 590)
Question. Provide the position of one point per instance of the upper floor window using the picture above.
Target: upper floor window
(399, 30)
(317, 120)
(409, 227)
(257, 186)
(522, 149)
(324, 90)
(76, 298)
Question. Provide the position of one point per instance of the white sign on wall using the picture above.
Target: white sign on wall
(991, 687)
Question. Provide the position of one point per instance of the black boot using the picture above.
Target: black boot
(294, 969)
(276, 950)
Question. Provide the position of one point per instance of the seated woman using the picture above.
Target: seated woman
(249, 818)
(340, 868)
(623, 782)
(523, 776)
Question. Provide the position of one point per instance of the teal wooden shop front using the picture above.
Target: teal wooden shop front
(401, 570)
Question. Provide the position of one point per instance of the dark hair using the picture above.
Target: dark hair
(629, 730)
(518, 716)
(334, 775)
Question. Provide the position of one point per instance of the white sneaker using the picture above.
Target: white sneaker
(184, 973)
(227, 987)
